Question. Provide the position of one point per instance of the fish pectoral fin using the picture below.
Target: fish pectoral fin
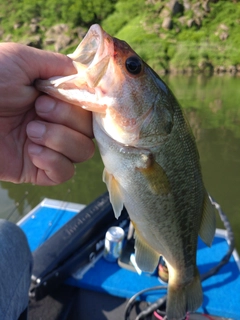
(146, 258)
(208, 222)
(157, 178)
(114, 192)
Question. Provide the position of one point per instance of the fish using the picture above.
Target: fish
(151, 162)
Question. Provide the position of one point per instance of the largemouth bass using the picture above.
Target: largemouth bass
(150, 157)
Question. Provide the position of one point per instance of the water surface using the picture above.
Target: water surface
(212, 107)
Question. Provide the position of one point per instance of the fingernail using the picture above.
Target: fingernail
(45, 105)
(34, 149)
(36, 129)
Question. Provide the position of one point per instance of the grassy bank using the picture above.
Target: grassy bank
(176, 36)
(202, 38)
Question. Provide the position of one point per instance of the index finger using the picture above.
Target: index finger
(61, 112)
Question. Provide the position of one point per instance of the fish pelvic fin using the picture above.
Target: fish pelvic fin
(114, 192)
(146, 258)
(184, 298)
(208, 222)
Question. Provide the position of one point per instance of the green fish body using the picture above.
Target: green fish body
(150, 157)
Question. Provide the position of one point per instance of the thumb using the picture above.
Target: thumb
(20, 66)
(45, 64)
(34, 63)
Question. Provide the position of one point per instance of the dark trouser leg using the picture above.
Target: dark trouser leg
(15, 271)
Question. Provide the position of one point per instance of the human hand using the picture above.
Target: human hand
(38, 144)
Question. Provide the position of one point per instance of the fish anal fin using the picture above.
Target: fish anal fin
(208, 222)
(184, 297)
(114, 192)
(146, 258)
(157, 178)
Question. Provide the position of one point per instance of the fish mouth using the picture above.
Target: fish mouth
(93, 47)
(91, 59)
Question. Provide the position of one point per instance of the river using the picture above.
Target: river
(212, 106)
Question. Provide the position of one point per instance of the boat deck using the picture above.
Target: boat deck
(102, 290)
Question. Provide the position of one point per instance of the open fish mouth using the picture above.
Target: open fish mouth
(91, 59)
(93, 47)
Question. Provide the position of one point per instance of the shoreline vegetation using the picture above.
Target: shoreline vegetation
(172, 36)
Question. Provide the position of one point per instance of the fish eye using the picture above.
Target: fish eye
(133, 65)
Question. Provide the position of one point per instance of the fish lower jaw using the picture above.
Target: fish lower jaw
(113, 132)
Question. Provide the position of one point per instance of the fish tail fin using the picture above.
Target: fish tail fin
(184, 298)
(194, 293)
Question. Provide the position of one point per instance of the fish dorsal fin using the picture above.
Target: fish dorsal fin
(157, 178)
(208, 222)
(146, 258)
(114, 192)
